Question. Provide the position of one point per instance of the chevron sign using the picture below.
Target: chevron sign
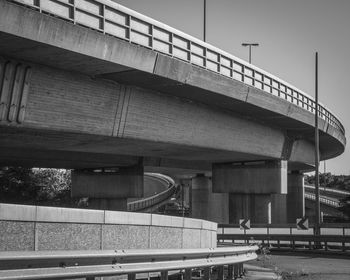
(244, 224)
(303, 223)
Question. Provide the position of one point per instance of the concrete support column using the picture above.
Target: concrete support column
(109, 190)
(278, 208)
(256, 207)
(295, 197)
(205, 204)
(257, 190)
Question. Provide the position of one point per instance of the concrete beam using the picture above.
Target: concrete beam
(250, 178)
(127, 182)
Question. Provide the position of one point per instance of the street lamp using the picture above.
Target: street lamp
(250, 45)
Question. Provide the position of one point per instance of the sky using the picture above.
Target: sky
(289, 32)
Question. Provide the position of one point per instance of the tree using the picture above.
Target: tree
(38, 186)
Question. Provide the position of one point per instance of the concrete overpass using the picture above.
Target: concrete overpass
(93, 85)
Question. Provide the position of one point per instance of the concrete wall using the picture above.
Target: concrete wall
(33, 228)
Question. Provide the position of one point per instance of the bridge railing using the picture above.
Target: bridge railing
(328, 190)
(113, 19)
(323, 200)
(91, 264)
(156, 199)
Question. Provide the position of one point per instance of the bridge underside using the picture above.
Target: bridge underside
(72, 97)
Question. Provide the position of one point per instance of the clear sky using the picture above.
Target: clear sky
(288, 31)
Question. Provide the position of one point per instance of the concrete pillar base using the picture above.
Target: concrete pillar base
(278, 208)
(256, 207)
(295, 197)
(207, 205)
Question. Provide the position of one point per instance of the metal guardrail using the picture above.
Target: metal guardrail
(152, 201)
(277, 236)
(329, 190)
(323, 200)
(91, 264)
(113, 19)
(294, 242)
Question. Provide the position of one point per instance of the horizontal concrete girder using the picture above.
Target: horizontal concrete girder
(116, 109)
(249, 178)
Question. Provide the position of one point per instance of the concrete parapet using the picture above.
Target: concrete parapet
(31, 228)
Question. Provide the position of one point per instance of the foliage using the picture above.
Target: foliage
(39, 186)
(341, 182)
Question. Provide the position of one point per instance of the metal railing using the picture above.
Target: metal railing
(113, 19)
(91, 264)
(330, 191)
(323, 200)
(154, 200)
(334, 237)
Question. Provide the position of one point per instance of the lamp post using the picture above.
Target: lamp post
(317, 154)
(250, 45)
(205, 20)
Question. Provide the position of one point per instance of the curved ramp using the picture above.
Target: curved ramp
(153, 202)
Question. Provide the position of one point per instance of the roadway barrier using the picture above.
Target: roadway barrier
(91, 264)
(328, 191)
(324, 200)
(113, 19)
(155, 200)
(333, 236)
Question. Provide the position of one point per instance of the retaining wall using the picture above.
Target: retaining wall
(24, 227)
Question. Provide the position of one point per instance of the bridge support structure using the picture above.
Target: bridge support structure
(296, 196)
(205, 204)
(109, 190)
(257, 190)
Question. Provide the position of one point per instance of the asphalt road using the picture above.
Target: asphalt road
(294, 266)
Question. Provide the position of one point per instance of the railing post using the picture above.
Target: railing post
(164, 275)
(132, 276)
(188, 274)
(90, 278)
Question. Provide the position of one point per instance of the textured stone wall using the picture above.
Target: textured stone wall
(32, 228)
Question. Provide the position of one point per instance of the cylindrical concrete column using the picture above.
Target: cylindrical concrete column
(295, 197)
(205, 204)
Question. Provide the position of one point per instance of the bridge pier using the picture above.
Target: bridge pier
(108, 190)
(257, 190)
(295, 197)
(205, 204)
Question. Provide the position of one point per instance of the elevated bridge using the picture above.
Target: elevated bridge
(90, 85)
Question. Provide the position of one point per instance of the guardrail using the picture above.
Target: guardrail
(113, 19)
(329, 191)
(91, 264)
(323, 200)
(333, 236)
(294, 242)
(154, 200)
